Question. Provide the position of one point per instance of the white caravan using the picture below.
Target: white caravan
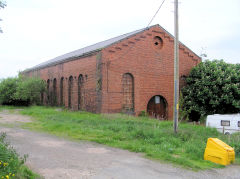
(225, 123)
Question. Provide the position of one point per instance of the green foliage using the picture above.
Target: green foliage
(143, 114)
(7, 90)
(213, 87)
(21, 90)
(11, 165)
(138, 134)
(30, 89)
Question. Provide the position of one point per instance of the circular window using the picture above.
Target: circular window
(157, 42)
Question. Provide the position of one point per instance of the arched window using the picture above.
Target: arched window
(48, 91)
(61, 91)
(70, 90)
(128, 93)
(54, 91)
(42, 94)
(80, 92)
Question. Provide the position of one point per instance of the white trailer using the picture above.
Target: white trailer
(224, 123)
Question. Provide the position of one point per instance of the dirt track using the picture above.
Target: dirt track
(53, 157)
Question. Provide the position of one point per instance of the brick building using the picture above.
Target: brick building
(129, 73)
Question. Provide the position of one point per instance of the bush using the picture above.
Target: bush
(7, 90)
(212, 87)
(21, 91)
(30, 89)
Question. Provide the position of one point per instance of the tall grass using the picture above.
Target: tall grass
(151, 137)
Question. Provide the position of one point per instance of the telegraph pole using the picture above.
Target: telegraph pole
(176, 67)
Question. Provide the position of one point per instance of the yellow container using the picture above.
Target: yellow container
(219, 152)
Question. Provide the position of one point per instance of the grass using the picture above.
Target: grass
(155, 139)
(11, 165)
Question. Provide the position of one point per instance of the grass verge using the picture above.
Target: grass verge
(11, 165)
(153, 138)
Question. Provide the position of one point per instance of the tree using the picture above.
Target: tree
(7, 90)
(30, 90)
(212, 87)
(21, 91)
(2, 5)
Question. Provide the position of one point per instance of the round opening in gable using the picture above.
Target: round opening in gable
(157, 42)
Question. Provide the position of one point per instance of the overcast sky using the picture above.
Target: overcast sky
(38, 30)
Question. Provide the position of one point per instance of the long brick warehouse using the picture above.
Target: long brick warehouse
(130, 73)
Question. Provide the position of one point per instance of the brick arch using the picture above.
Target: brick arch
(128, 93)
(70, 91)
(54, 91)
(157, 107)
(80, 92)
(61, 91)
(42, 94)
(48, 91)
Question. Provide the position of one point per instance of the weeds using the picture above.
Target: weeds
(11, 165)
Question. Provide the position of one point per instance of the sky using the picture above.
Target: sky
(35, 31)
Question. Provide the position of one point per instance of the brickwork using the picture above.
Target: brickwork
(147, 56)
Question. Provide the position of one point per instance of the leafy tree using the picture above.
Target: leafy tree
(212, 87)
(7, 90)
(21, 91)
(30, 89)
(2, 5)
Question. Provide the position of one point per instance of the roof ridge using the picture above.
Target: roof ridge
(88, 49)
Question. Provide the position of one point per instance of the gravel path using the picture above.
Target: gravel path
(53, 157)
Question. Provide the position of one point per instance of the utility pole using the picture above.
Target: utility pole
(176, 67)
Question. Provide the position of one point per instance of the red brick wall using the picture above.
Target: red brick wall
(85, 66)
(151, 67)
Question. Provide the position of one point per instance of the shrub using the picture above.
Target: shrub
(11, 165)
(21, 91)
(30, 89)
(7, 90)
(212, 87)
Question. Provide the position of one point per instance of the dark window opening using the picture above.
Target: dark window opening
(55, 92)
(225, 123)
(238, 123)
(61, 91)
(70, 89)
(80, 92)
(48, 91)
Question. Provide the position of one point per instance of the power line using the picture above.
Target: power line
(155, 13)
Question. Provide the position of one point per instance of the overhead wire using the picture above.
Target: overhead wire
(156, 13)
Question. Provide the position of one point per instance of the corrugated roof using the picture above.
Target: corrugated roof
(86, 50)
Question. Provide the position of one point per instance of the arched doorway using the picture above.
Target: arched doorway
(80, 92)
(70, 90)
(157, 107)
(61, 91)
(55, 92)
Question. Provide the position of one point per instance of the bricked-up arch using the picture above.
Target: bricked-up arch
(157, 107)
(54, 91)
(42, 94)
(80, 92)
(61, 91)
(128, 93)
(48, 91)
(70, 91)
